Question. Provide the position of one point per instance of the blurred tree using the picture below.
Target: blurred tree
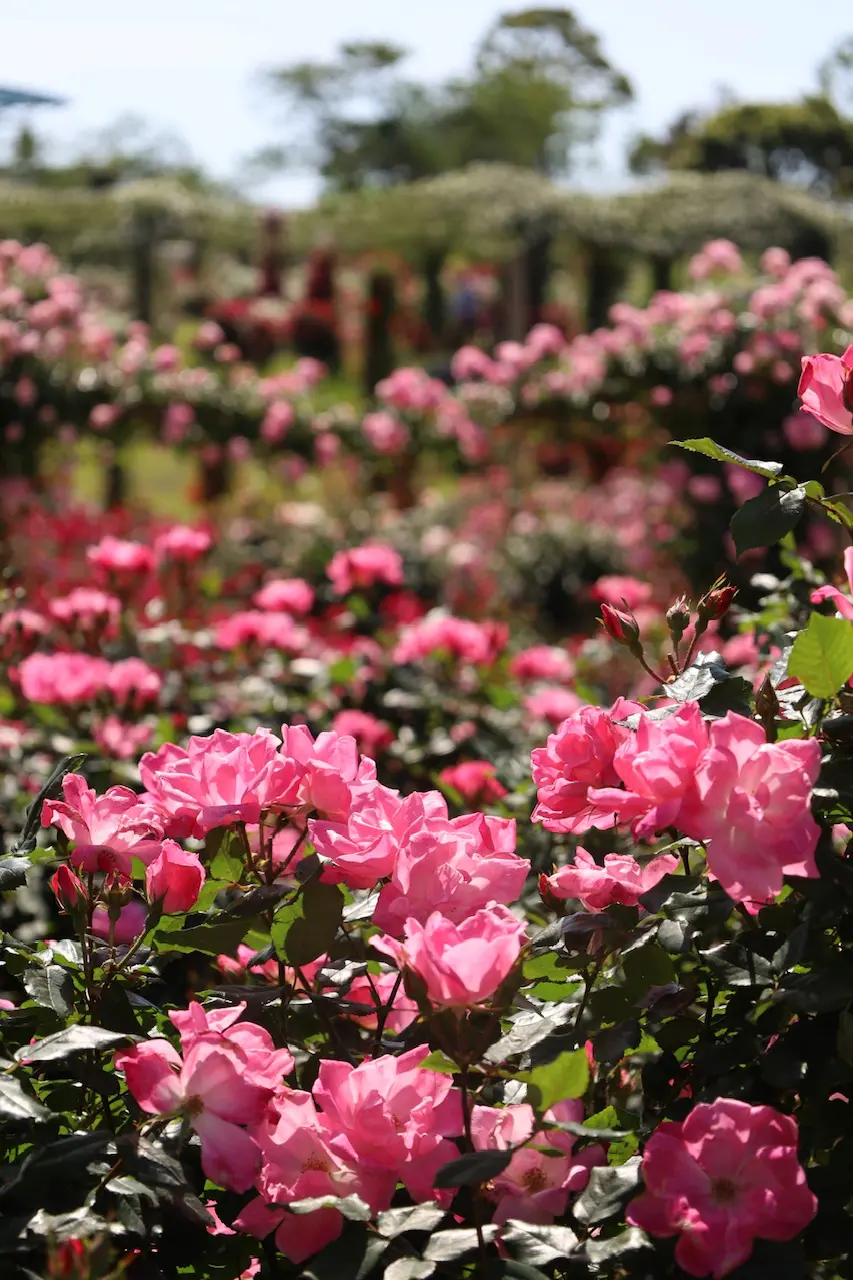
(808, 142)
(539, 86)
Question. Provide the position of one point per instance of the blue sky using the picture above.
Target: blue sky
(190, 65)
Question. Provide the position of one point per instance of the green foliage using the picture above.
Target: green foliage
(822, 655)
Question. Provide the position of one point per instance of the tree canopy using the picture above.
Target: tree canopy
(537, 89)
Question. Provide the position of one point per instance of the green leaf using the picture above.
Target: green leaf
(447, 1246)
(767, 517)
(221, 936)
(50, 986)
(409, 1269)
(419, 1217)
(647, 966)
(710, 448)
(50, 791)
(13, 872)
(822, 655)
(438, 1061)
(565, 1077)
(537, 1244)
(313, 932)
(227, 863)
(72, 1040)
(607, 1191)
(352, 1207)
(15, 1104)
(629, 1241)
(472, 1168)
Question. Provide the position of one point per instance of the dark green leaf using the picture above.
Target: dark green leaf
(408, 1269)
(611, 1044)
(645, 967)
(221, 936)
(13, 872)
(72, 1040)
(823, 991)
(710, 448)
(51, 986)
(447, 1246)
(15, 1104)
(629, 1241)
(767, 517)
(420, 1217)
(315, 930)
(607, 1191)
(537, 1244)
(50, 791)
(473, 1168)
(351, 1207)
(565, 1077)
(822, 655)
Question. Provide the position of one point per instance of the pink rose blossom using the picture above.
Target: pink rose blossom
(175, 877)
(752, 807)
(131, 922)
(621, 879)
(825, 390)
(65, 679)
(475, 781)
(365, 566)
(121, 740)
(616, 589)
(285, 595)
(117, 556)
(267, 630)
(372, 735)
(576, 760)
(106, 831)
(182, 542)
(728, 1175)
(459, 965)
(542, 662)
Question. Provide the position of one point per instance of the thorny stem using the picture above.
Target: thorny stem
(588, 984)
(654, 674)
(384, 1011)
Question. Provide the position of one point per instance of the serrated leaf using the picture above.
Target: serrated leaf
(50, 986)
(420, 1217)
(710, 449)
(13, 872)
(447, 1246)
(822, 655)
(472, 1168)
(537, 1244)
(15, 1104)
(607, 1191)
(566, 1077)
(63, 1044)
(766, 518)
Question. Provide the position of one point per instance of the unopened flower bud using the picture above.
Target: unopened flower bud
(621, 626)
(678, 619)
(116, 892)
(549, 900)
(715, 603)
(69, 891)
(847, 390)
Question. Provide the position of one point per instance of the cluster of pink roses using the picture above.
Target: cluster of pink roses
(722, 784)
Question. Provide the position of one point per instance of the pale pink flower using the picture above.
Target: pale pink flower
(267, 630)
(329, 768)
(459, 965)
(182, 542)
(455, 866)
(118, 556)
(542, 662)
(133, 683)
(726, 1176)
(363, 848)
(618, 589)
(119, 739)
(825, 390)
(209, 1087)
(552, 704)
(657, 765)
(106, 831)
(62, 678)
(372, 735)
(477, 643)
(362, 567)
(621, 879)
(263, 1064)
(753, 808)
(393, 1114)
(387, 434)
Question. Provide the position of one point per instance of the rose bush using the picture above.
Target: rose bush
(292, 1011)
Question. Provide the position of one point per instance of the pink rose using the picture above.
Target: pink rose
(576, 759)
(460, 965)
(620, 880)
(175, 876)
(727, 1175)
(285, 595)
(825, 390)
(365, 566)
(475, 782)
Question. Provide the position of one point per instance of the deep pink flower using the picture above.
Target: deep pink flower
(460, 965)
(119, 739)
(825, 390)
(618, 590)
(475, 782)
(182, 542)
(753, 807)
(131, 922)
(542, 662)
(263, 1064)
(175, 876)
(620, 879)
(85, 607)
(118, 556)
(552, 704)
(264, 628)
(65, 679)
(371, 734)
(285, 595)
(362, 567)
(210, 1088)
(478, 643)
(727, 1176)
(576, 760)
(133, 683)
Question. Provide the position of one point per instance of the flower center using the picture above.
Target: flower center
(194, 1105)
(534, 1180)
(724, 1190)
(315, 1164)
